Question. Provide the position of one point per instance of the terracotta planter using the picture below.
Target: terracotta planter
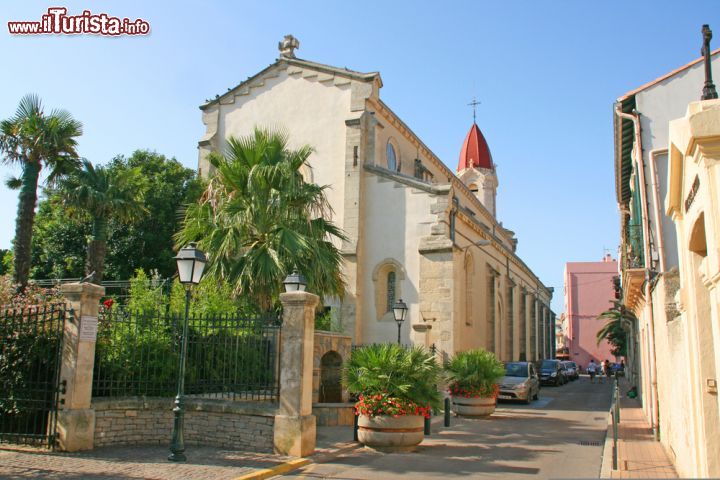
(391, 434)
(474, 406)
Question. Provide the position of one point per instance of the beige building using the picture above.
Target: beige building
(413, 225)
(692, 203)
(667, 188)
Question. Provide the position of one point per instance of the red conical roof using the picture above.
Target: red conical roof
(475, 151)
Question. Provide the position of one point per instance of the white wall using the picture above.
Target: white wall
(657, 105)
(396, 217)
(311, 112)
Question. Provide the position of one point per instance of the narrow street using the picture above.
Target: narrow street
(559, 436)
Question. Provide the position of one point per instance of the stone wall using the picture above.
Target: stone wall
(334, 414)
(208, 422)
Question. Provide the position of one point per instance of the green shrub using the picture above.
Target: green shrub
(393, 371)
(135, 355)
(474, 373)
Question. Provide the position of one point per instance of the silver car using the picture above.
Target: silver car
(521, 382)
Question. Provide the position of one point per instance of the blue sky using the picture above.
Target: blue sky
(546, 72)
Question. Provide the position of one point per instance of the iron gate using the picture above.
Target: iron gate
(30, 358)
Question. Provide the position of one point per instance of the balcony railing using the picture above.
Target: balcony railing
(633, 255)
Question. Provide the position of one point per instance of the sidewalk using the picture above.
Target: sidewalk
(639, 454)
(150, 462)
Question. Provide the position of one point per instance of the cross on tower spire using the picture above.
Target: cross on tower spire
(474, 104)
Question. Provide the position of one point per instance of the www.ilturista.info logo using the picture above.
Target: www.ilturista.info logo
(58, 22)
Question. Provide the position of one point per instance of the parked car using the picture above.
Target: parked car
(571, 370)
(521, 382)
(551, 373)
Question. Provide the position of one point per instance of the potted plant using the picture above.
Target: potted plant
(472, 377)
(396, 389)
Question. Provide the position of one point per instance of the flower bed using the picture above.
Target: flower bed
(474, 392)
(374, 405)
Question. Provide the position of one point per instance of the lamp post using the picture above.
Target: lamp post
(190, 265)
(399, 311)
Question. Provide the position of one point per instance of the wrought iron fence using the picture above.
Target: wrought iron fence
(229, 356)
(118, 290)
(30, 352)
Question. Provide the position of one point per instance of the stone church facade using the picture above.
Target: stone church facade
(416, 230)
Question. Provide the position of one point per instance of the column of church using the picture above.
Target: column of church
(533, 327)
(546, 329)
(509, 353)
(550, 334)
(359, 148)
(540, 331)
(491, 313)
(522, 315)
(553, 352)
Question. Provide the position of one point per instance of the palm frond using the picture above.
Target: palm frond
(260, 219)
(13, 183)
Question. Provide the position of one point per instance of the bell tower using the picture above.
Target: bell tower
(476, 168)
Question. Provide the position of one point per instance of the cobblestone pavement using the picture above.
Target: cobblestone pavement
(146, 462)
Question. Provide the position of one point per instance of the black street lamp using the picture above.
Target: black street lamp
(190, 265)
(399, 311)
(295, 282)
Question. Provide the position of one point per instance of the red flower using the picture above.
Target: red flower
(108, 303)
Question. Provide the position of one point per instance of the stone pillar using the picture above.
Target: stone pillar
(294, 431)
(532, 336)
(76, 419)
(545, 336)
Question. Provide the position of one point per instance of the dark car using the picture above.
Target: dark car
(571, 370)
(551, 373)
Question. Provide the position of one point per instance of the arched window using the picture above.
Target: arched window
(390, 294)
(392, 163)
(388, 276)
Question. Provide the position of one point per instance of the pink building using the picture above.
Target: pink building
(589, 291)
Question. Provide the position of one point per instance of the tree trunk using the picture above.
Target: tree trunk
(97, 248)
(24, 222)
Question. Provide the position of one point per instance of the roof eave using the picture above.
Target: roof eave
(363, 77)
(664, 77)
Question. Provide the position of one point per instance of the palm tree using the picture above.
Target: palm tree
(258, 220)
(34, 140)
(614, 331)
(102, 195)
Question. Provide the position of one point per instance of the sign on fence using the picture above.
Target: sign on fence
(88, 328)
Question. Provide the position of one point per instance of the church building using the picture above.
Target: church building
(416, 230)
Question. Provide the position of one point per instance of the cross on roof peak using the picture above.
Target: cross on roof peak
(474, 104)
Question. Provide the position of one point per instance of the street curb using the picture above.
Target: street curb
(606, 465)
(277, 470)
(292, 465)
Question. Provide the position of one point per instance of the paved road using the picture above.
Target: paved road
(559, 436)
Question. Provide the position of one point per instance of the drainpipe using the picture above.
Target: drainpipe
(635, 118)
